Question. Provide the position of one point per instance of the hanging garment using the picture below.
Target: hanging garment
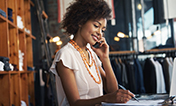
(173, 81)
(162, 87)
(158, 10)
(160, 84)
(131, 76)
(165, 68)
(117, 70)
(124, 75)
(139, 77)
(149, 76)
(171, 60)
(170, 68)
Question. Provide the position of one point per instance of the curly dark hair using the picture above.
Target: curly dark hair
(80, 11)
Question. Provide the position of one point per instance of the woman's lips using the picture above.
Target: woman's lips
(95, 37)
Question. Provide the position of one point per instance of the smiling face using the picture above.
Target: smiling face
(92, 31)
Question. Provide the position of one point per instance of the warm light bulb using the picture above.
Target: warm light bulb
(120, 34)
(116, 38)
(51, 40)
(139, 6)
(56, 39)
(59, 43)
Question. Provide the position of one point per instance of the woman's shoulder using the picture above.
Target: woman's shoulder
(66, 49)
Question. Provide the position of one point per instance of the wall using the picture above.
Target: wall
(51, 9)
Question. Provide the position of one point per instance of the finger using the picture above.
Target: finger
(93, 48)
(127, 96)
(103, 42)
(122, 96)
(102, 39)
(126, 93)
(123, 99)
(131, 94)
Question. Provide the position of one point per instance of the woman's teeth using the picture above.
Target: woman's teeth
(94, 37)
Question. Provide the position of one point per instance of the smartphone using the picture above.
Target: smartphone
(97, 45)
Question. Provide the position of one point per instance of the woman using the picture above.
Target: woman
(80, 78)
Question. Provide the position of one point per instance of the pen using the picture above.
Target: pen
(125, 89)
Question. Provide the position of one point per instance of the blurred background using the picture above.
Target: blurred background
(136, 27)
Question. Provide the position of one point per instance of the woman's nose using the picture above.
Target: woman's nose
(99, 32)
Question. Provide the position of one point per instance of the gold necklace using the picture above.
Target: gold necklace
(85, 60)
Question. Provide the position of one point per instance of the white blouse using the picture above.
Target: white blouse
(72, 59)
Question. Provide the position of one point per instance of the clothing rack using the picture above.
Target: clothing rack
(152, 51)
(132, 69)
(121, 53)
(159, 51)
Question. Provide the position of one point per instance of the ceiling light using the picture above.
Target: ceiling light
(59, 43)
(55, 39)
(116, 38)
(139, 6)
(122, 35)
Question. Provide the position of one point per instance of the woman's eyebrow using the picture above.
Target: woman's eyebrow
(100, 24)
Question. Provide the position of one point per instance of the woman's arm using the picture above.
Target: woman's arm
(109, 80)
(110, 83)
(70, 88)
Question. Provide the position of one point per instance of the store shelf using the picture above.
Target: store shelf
(2, 19)
(20, 30)
(11, 25)
(4, 72)
(29, 35)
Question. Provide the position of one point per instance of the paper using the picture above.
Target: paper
(133, 102)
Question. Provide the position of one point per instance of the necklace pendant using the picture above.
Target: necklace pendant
(90, 65)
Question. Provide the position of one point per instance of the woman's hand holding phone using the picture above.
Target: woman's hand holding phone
(101, 48)
(97, 44)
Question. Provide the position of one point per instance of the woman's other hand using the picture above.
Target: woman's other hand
(119, 96)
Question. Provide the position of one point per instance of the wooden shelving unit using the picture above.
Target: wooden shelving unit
(16, 86)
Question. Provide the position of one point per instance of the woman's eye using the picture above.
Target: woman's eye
(95, 26)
